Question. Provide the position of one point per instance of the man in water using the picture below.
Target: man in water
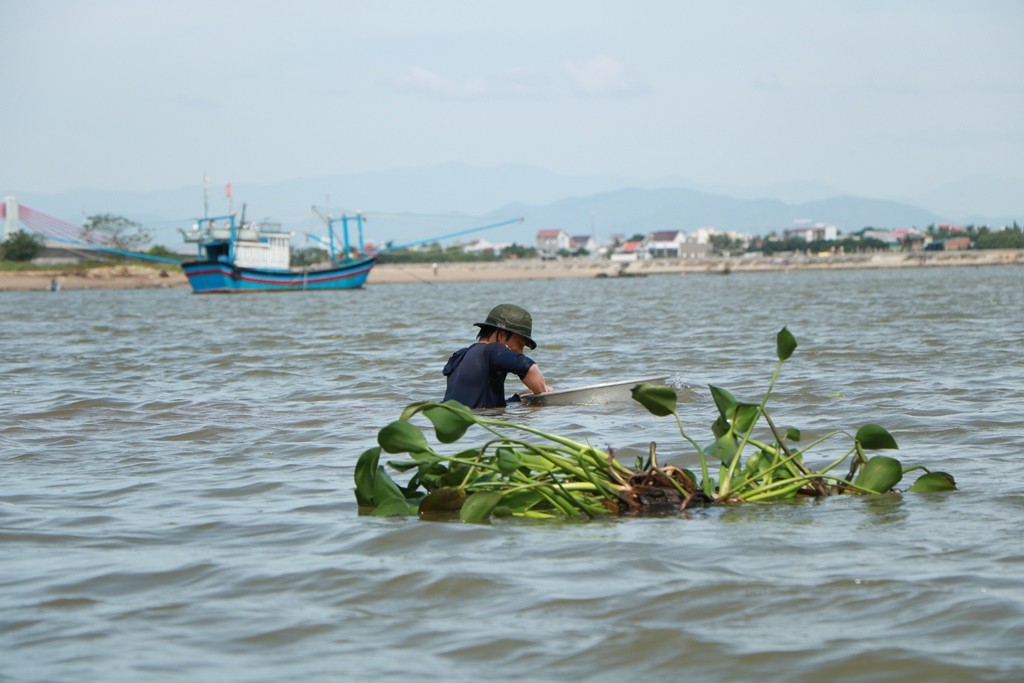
(476, 374)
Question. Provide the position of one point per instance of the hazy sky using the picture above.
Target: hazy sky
(877, 98)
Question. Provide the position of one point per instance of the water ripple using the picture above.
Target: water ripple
(178, 499)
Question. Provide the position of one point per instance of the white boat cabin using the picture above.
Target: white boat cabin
(251, 246)
(271, 250)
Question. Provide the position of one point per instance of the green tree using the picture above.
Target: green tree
(309, 256)
(515, 250)
(117, 232)
(724, 243)
(162, 251)
(1009, 238)
(21, 246)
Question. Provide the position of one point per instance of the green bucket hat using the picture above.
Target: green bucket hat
(512, 318)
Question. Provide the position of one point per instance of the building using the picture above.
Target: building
(818, 232)
(551, 242)
(665, 243)
(585, 242)
(950, 244)
(695, 250)
(628, 252)
(909, 239)
(479, 246)
(704, 235)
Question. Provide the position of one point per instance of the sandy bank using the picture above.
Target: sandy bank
(583, 268)
(142, 277)
(106, 277)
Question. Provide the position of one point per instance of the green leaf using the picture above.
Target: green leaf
(793, 434)
(414, 408)
(521, 501)
(754, 462)
(385, 488)
(365, 474)
(659, 399)
(394, 508)
(458, 471)
(785, 344)
(723, 400)
(402, 437)
(478, 506)
(502, 512)
(431, 476)
(405, 465)
(873, 437)
(745, 416)
(508, 461)
(724, 448)
(445, 499)
(451, 419)
(880, 474)
(932, 482)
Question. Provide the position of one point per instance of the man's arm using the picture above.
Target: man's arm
(534, 380)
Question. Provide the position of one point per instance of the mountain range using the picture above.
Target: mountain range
(409, 205)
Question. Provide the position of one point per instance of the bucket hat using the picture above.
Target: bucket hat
(513, 319)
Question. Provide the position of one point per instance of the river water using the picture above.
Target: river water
(177, 499)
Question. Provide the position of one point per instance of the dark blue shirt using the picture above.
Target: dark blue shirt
(476, 374)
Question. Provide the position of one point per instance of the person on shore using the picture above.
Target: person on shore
(476, 374)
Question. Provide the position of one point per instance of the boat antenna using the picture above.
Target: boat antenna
(206, 196)
(325, 218)
(329, 222)
(450, 234)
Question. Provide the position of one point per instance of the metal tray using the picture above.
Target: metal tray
(595, 394)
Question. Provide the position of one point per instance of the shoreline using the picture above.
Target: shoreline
(142, 277)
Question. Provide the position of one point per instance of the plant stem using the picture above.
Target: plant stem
(705, 476)
(818, 486)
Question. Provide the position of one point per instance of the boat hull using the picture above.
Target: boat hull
(214, 277)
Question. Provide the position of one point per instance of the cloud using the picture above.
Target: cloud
(600, 77)
(603, 76)
(420, 81)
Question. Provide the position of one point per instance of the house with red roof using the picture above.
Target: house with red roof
(550, 242)
(627, 252)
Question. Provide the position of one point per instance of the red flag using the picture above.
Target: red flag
(227, 190)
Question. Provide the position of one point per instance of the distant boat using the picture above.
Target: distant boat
(255, 258)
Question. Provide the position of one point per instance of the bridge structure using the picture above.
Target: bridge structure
(58, 233)
(26, 219)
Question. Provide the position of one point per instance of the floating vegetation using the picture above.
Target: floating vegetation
(526, 472)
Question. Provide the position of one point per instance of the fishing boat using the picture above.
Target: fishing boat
(252, 257)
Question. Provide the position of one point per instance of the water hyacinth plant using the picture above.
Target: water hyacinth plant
(523, 471)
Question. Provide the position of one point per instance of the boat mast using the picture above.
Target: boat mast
(359, 221)
(206, 196)
(344, 229)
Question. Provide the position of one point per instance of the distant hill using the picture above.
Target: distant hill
(407, 205)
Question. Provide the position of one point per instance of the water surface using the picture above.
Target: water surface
(177, 498)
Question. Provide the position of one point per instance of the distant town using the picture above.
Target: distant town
(30, 235)
(805, 237)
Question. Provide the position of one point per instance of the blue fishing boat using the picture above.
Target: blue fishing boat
(253, 257)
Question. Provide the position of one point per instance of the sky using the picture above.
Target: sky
(890, 98)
